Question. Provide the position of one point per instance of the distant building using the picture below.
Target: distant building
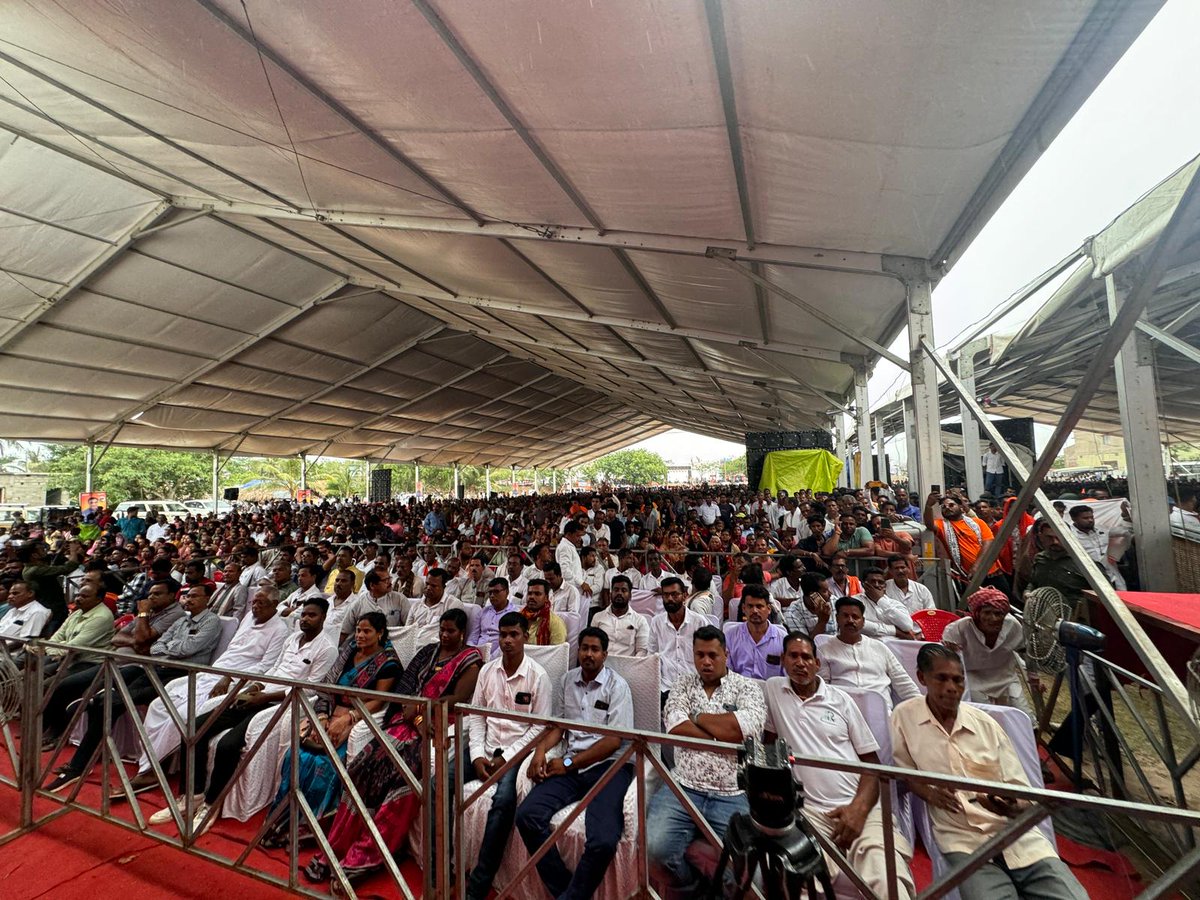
(1091, 450)
(679, 474)
(28, 488)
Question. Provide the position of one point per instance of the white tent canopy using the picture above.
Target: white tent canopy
(480, 232)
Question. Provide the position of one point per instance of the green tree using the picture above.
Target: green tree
(128, 473)
(628, 467)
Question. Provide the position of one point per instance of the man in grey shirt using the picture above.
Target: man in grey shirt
(191, 638)
(598, 695)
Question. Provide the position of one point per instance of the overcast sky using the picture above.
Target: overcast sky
(1140, 125)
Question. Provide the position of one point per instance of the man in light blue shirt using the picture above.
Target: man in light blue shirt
(756, 646)
(434, 521)
(485, 630)
(596, 695)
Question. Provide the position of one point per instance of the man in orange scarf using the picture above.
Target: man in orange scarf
(543, 626)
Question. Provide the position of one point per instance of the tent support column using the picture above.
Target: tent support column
(535, 479)
(862, 418)
(456, 480)
(1143, 446)
(838, 423)
(1031, 492)
(89, 462)
(487, 480)
(303, 471)
(514, 481)
(367, 478)
(927, 416)
(216, 478)
(554, 481)
(417, 480)
(911, 462)
(972, 451)
(880, 452)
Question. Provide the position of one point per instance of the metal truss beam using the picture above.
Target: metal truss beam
(98, 264)
(1183, 348)
(340, 383)
(852, 261)
(828, 320)
(280, 321)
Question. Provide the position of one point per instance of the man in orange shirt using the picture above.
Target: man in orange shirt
(962, 539)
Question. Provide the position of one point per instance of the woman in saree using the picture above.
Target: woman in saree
(367, 661)
(443, 670)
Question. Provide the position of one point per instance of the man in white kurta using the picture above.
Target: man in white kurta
(255, 648)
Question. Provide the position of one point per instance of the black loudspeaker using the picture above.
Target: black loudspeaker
(462, 490)
(232, 493)
(1015, 431)
(381, 486)
(760, 443)
(54, 497)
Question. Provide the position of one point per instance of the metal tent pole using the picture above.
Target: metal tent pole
(487, 480)
(1138, 402)
(880, 452)
(972, 451)
(554, 481)
(303, 471)
(1031, 492)
(417, 480)
(927, 415)
(216, 477)
(862, 418)
(1149, 274)
(839, 436)
(367, 475)
(456, 480)
(89, 462)
(912, 462)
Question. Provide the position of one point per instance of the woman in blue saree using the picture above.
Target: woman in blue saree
(366, 660)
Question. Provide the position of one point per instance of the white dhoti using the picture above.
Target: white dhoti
(161, 729)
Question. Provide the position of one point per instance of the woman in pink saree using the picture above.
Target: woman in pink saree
(445, 670)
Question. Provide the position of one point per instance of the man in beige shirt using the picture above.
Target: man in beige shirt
(938, 733)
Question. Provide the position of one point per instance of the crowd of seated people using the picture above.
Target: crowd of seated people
(758, 636)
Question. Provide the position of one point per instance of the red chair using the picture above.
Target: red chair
(933, 622)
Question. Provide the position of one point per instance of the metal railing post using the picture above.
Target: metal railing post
(31, 730)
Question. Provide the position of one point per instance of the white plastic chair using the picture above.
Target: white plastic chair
(555, 659)
(906, 652)
(229, 627)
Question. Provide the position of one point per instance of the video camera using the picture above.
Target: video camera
(773, 839)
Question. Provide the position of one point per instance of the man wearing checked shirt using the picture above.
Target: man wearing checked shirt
(598, 695)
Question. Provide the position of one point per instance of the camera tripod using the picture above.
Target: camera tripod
(789, 860)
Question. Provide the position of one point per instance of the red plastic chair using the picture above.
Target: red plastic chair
(933, 622)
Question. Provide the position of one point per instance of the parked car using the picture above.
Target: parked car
(204, 507)
(152, 509)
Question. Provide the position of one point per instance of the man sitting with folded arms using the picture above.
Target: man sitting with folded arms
(817, 719)
(853, 660)
(592, 693)
(308, 580)
(307, 655)
(516, 683)
(883, 616)
(25, 617)
(426, 613)
(377, 591)
(564, 596)
(710, 703)
(255, 647)
(485, 630)
(904, 589)
(938, 733)
(90, 625)
(543, 626)
(756, 646)
(191, 638)
(671, 633)
(628, 630)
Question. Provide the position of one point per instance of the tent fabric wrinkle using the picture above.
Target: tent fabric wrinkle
(332, 255)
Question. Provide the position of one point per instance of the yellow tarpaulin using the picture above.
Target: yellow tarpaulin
(793, 470)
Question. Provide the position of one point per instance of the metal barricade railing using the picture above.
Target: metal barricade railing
(295, 706)
(443, 810)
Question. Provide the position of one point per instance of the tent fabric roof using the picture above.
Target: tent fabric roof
(477, 232)
(1035, 371)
